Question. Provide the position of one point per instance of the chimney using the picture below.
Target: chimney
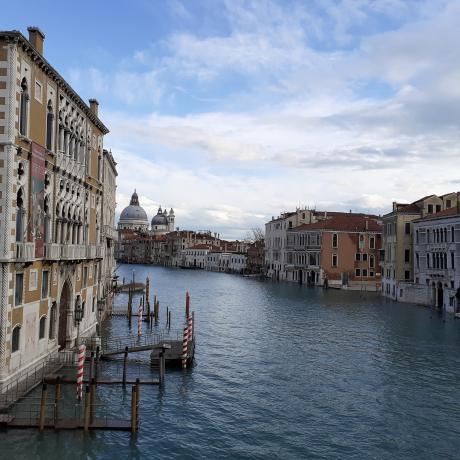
(36, 37)
(94, 106)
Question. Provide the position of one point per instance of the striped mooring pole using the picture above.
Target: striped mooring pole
(190, 328)
(184, 348)
(139, 322)
(81, 363)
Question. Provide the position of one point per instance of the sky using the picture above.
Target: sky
(232, 112)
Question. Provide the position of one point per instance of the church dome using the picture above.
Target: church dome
(160, 218)
(134, 213)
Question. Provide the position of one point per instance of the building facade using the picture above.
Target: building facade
(51, 195)
(341, 252)
(398, 281)
(437, 259)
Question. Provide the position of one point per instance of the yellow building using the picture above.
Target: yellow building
(51, 195)
(398, 264)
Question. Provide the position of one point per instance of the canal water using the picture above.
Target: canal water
(282, 371)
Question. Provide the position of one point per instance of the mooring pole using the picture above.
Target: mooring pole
(91, 366)
(187, 305)
(41, 422)
(138, 397)
(96, 367)
(57, 397)
(87, 408)
(193, 325)
(162, 366)
(93, 399)
(133, 409)
(125, 361)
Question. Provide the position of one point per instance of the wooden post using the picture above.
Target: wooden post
(96, 363)
(167, 313)
(193, 325)
(133, 410)
(93, 400)
(162, 366)
(87, 408)
(187, 305)
(57, 397)
(125, 360)
(138, 397)
(41, 421)
(91, 366)
(169, 325)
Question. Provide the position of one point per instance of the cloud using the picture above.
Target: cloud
(348, 104)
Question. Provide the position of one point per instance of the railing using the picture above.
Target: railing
(52, 251)
(100, 251)
(25, 252)
(26, 380)
(72, 251)
(91, 251)
(109, 232)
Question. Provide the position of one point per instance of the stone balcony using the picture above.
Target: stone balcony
(24, 252)
(52, 251)
(109, 232)
(73, 251)
(69, 165)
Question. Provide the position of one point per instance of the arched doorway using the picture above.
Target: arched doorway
(440, 296)
(64, 306)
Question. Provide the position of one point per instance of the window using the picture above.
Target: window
(93, 307)
(407, 228)
(335, 240)
(364, 257)
(49, 126)
(364, 271)
(85, 276)
(358, 256)
(438, 208)
(407, 275)
(361, 241)
(52, 329)
(416, 236)
(357, 272)
(18, 288)
(45, 283)
(407, 255)
(430, 209)
(334, 260)
(42, 327)
(452, 260)
(38, 91)
(371, 273)
(417, 260)
(372, 242)
(448, 203)
(371, 261)
(24, 108)
(15, 339)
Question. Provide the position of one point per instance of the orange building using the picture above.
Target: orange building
(341, 252)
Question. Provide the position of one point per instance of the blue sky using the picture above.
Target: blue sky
(233, 111)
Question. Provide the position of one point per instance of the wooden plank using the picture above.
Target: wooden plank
(113, 382)
(73, 424)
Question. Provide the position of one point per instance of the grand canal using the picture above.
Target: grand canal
(284, 371)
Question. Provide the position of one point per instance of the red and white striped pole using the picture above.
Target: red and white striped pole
(190, 328)
(184, 348)
(81, 363)
(139, 323)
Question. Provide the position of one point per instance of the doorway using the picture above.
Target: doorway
(64, 307)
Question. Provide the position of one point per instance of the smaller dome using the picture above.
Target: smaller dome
(160, 219)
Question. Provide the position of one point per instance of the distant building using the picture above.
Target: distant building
(343, 252)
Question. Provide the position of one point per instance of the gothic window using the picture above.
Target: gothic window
(49, 126)
(24, 108)
(52, 328)
(42, 327)
(15, 338)
(20, 215)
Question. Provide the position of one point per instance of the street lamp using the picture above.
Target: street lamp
(78, 315)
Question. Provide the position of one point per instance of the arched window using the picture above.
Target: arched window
(15, 339)
(42, 327)
(24, 108)
(20, 215)
(49, 126)
(52, 329)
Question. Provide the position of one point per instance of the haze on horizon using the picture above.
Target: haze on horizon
(233, 111)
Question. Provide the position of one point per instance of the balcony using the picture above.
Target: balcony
(72, 251)
(100, 251)
(52, 251)
(25, 252)
(109, 232)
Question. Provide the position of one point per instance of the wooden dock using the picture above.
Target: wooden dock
(66, 424)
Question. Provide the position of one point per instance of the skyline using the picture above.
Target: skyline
(233, 112)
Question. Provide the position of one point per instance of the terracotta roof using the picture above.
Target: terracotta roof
(202, 246)
(345, 223)
(410, 208)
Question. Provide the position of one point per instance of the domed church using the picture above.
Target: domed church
(134, 217)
